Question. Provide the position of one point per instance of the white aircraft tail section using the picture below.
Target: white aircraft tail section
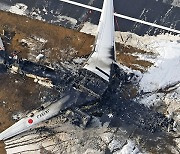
(1, 44)
(104, 49)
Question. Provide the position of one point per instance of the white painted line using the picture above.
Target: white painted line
(123, 16)
(147, 23)
(81, 5)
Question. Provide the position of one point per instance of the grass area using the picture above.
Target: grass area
(24, 96)
(58, 38)
(125, 57)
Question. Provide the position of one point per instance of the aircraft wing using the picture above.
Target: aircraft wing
(104, 49)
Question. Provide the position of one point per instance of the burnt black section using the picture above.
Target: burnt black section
(3, 68)
(5, 61)
(82, 86)
(117, 100)
(83, 80)
(95, 96)
(4, 58)
(87, 88)
(112, 53)
(100, 70)
(28, 67)
(127, 114)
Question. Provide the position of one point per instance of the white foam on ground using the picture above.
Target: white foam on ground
(166, 47)
(166, 69)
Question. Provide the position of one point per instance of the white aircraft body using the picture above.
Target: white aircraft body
(99, 63)
(35, 117)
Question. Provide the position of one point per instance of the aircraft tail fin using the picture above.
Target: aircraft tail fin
(104, 49)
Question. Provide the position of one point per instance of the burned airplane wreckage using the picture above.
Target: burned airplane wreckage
(100, 80)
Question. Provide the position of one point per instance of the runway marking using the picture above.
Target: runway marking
(123, 16)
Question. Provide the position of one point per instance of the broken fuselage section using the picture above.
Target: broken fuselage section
(85, 86)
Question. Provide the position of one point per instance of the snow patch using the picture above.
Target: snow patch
(64, 18)
(36, 14)
(19, 8)
(89, 28)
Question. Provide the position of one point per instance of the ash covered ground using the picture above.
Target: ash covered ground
(138, 116)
